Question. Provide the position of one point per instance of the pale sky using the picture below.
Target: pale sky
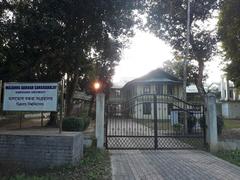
(146, 53)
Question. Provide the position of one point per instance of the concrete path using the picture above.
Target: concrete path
(170, 165)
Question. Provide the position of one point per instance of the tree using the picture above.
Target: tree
(229, 33)
(168, 20)
(175, 67)
(44, 39)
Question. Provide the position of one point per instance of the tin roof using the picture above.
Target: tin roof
(158, 75)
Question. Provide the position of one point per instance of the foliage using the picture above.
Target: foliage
(202, 122)
(42, 40)
(191, 123)
(75, 123)
(177, 127)
(220, 124)
(25, 177)
(175, 67)
(229, 32)
(231, 156)
(94, 165)
(168, 20)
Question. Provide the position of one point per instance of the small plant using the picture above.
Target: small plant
(232, 156)
(220, 123)
(177, 127)
(75, 123)
(202, 122)
(191, 123)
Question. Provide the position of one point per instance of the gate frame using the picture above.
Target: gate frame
(156, 136)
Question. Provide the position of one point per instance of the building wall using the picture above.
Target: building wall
(231, 109)
(40, 151)
(177, 91)
(162, 111)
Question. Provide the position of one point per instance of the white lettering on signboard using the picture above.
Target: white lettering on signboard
(30, 97)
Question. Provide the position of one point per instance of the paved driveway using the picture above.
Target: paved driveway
(135, 135)
(170, 165)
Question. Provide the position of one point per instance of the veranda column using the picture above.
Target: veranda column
(227, 90)
(100, 103)
(211, 121)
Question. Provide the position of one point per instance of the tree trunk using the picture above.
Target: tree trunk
(90, 114)
(71, 87)
(53, 119)
(199, 80)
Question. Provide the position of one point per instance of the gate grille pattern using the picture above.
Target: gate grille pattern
(154, 122)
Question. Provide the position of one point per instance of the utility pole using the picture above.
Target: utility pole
(187, 52)
(185, 66)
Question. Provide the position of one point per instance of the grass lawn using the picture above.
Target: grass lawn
(161, 125)
(230, 124)
(231, 156)
(95, 165)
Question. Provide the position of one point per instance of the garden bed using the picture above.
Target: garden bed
(230, 156)
(95, 165)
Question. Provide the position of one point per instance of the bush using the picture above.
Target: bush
(75, 123)
(191, 123)
(177, 127)
(220, 123)
(202, 122)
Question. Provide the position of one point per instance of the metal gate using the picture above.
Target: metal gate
(154, 122)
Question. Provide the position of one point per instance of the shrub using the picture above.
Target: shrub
(191, 123)
(75, 123)
(202, 122)
(177, 127)
(220, 123)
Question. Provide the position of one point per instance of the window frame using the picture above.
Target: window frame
(147, 108)
(170, 86)
(158, 88)
(146, 87)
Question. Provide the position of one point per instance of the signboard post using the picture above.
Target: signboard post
(61, 106)
(30, 97)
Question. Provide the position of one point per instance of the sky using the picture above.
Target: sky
(146, 52)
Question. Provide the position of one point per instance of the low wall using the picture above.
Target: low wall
(229, 144)
(230, 109)
(36, 150)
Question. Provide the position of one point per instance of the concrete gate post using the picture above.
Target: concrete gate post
(100, 103)
(211, 122)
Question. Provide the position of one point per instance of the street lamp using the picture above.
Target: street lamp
(97, 86)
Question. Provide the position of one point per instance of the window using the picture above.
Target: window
(170, 108)
(146, 90)
(170, 89)
(147, 109)
(159, 89)
(231, 94)
(117, 93)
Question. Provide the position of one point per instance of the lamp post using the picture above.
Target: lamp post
(62, 106)
(100, 103)
(97, 86)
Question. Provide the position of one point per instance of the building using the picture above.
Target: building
(158, 90)
(230, 99)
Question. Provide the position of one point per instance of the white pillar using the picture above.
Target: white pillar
(212, 136)
(222, 88)
(227, 90)
(235, 94)
(100, 103)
